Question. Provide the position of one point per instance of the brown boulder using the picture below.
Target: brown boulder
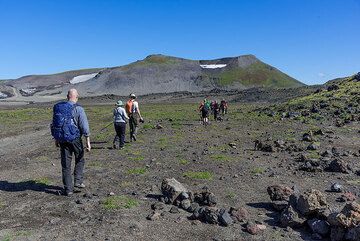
(279, 192)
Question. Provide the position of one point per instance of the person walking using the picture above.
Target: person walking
(68, 126)
(204, 109)
(223, 106)
(133, 111)
(120, 120)
(216, 110)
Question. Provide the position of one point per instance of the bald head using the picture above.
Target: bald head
(73, 95)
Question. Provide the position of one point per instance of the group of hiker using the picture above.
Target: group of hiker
(70, 124)
(131, 113)
(214, 107)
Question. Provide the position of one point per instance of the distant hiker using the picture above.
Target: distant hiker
(223, 106)
(216, 109)
(120, 120)
(204, 109)
(68, 126)
(133, 111)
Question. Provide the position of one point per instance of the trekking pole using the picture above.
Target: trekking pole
(106, 127)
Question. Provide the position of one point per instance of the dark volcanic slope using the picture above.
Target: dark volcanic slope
(162, 74)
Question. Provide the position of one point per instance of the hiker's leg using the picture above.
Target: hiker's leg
(79, 161)
(117, 135)
(131, 125)
(66, 156)
(122, 134)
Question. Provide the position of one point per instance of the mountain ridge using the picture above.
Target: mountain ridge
(158, 73)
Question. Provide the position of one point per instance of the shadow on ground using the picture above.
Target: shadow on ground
(29, 185)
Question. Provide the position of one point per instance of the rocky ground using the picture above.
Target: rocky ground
(262, 173)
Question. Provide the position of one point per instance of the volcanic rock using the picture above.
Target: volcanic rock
(279, 192)
(310, 202)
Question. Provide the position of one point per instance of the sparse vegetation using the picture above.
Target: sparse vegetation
(138, 171)
(43, 181)
(199, 175)
(184, 162)
(118, 202)
(258, 170)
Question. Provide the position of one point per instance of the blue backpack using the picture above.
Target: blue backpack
(63, 127)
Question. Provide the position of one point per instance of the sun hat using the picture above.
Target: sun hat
(119, 103)
(132, 95)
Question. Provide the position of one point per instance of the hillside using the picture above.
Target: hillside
(156, 74)
(336, 102)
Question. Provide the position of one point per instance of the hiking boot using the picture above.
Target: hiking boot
(81, 185)
(121, 147)
(114, 146)
(66, 193)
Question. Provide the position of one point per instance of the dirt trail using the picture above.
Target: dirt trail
(24, 143)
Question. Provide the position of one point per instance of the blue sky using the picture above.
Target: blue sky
(311, 40)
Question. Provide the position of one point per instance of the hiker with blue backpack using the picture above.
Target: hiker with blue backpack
(68, 126)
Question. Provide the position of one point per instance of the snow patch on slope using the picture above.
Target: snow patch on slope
(212, 66)
(3, 95)
(82, 78)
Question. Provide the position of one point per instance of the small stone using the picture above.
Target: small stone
(253, 228)
(336, 187)
(232, 145)
(261, 226)
(225, 218)
(319, 226)
(347, 197)
(307, 137)
(210, 215)
(312, 147)
(280, 205)
(153, 216)
(239, 214)
(184, 195)
(111, 194)
(78, 201)
(174, 209)
(193, 207)
(338, 165)
(158, 126)
(290, 218)
(158, 206)
(185, 204)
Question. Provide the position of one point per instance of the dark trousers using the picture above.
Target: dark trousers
(133, 123)
(67, 150)
(216, 113)
(120, 128)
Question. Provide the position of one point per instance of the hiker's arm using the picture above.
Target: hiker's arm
(125, 115)
(138, 110)
(84, 127)
(83, 123)
(88, 145)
